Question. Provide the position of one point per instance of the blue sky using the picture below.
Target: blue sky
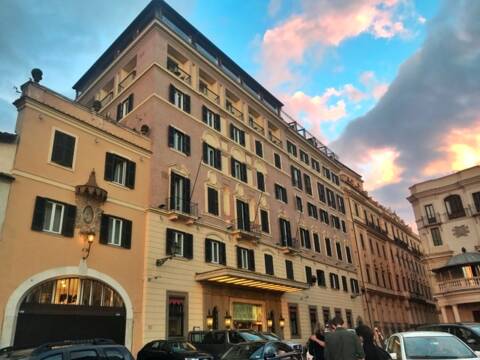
(359, 73)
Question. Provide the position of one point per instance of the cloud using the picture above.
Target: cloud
(430, 112)
(380, 167)
(321, 24)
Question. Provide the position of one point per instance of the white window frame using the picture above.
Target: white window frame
(244, 259)
(236, 132)
(237, 170)
(179, 99)
(124, 107)
(210, 118)
(121, 177)
(210, 156)
(178, 244)
(178, 140)
(115, 230)
(55, 206)
(215, 252)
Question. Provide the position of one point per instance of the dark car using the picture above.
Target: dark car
(298, 347)
(261, 350)
(171, 349)
(469, 333)
(217, 342)
(94, 349)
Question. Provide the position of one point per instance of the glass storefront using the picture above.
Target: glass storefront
(248, 316)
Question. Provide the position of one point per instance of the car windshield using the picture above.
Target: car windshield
(244, 351)
(250, 336)
(181, 346)
(436, 347)
(475, 328)
(270, 336)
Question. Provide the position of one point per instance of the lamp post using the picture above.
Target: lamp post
(228, 321)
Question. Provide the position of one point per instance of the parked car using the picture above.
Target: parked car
(217, 342)
(261, 350)
(171, 349)
(469, 333)
(415, 345)
(91, 349)
(295, 345)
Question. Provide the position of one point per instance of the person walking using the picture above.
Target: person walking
(316, 344)
(371, 350)
(378, 337)
(342, 344)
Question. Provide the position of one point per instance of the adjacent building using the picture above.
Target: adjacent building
(447, 212)
(394, 281)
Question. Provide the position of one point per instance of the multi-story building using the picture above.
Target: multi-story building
(394, 281)
(447, 212)
(246, 225)
(72, 244)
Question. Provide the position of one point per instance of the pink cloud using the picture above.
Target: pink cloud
(374, 87)
(322, 24)
(379, 167)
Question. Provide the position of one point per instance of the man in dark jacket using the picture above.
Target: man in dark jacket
(342, 344)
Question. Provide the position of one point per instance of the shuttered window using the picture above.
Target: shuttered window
(116, 231)
(289, 269)
(179, 99)
(238, 170)
(260, 181)
(212, 195)
(305, 238)
(124, 107)
(308, 274)
(339, 251)
(296, 177)
(237, 135)
(259, 148)
(269, 264)
(245, 259)
(316, 242)
(178, 140)
(344, 284)
(321, 278)
(63, 149)
(179, 244)
(349, 254)
(334, 281)
(119, 170)
(285, 232)
(321, 192)
(277, 160)
(215, 252)
(264, 221)
(53, 216)
(212, 156)
(281, 193)
(308, 184)
(211, 118)
(328, 246)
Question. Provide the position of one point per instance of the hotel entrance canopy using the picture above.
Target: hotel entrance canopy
(245, 278)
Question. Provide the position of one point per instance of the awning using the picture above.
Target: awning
(245, 278)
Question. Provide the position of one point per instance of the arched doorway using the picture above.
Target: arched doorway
(70, 308)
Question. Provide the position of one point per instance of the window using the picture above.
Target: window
(324, 216)
(296, 177)
(259, 148)
(260, 181)
(298, 203)
(335, 222)
(335, 179)
(293, 316)
(210, 118)
(179, 244)
(331, 198)
(268, 264)
(308, 184)
(354, 286)
(245, 259)
(277, 160)
(476, 201)
(312, 311)
(215, 252)
(362, 242)
(264, 221)
(344, 226)
(63, 149)
(304, 157)
(124, 107)
(321, 278)
(454, 206)
(349, 254)
(176, 316)
(178, 140)
(305, 238)
(53, 216)
(312, 210)
(83, 355)
(237, 135)
(212, 201)
(212, 156)
(315, 165)
(289, 269)
(281, 193)
(239, 170)
(367, 271)
(341, 204)
(430, 212)
(339, 251)
(292, 148)
(436, 237)
(179, 99)
(356, 209)
(326, 315)
(334, 281)
(119, 170)
(115, 231)
(326, 172)
(308, 274)
(316, 242)
(349, 318)
(344, 284)
(285, 232)
(179, 193)
(243, 216)
(114, 354)
(321, 192)
(328, 247)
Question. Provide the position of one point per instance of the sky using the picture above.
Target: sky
(392, 86)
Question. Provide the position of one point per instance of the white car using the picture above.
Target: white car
(428, 345)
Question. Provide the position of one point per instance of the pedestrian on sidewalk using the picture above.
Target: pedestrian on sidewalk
(342, 344)
(316, 344)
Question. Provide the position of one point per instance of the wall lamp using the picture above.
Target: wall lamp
(209, 320)
(228, 321)
(269, 323)
(90, 238)
(281, 322)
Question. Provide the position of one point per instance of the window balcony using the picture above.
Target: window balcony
(175, 69)
(233, 110)
(181, 209)
(255, 125)
(210, 94)
(246, 231)
(127, 80)
(291, 248)
(461, 284)
(425, 221)
(106, 99)
(274, 139)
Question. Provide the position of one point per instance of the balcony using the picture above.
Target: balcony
(127, 80)
(400, 242)
(175, 69)
(204, 89)
(291, 248)
(179, 209)
(255, 125)
(106, 99)
(233, 110)
(274, 139)
(425, 221)
(460, 284)
(246, 231)
(377, 230)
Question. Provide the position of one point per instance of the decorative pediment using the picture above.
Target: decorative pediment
(91, 189)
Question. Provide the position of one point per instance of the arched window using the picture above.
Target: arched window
(454, 206)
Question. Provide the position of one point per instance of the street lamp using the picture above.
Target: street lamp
(90, 237)
(228, 320)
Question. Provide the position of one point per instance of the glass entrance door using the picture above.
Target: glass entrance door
(248, 316)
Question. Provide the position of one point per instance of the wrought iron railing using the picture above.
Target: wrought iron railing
(182, 206)
(106, 99)
(246, 227)
(274, 139)
(175, 69)
(127, 80)
(203, 88)
(233, 110)
(293, 244)
(255, 126)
